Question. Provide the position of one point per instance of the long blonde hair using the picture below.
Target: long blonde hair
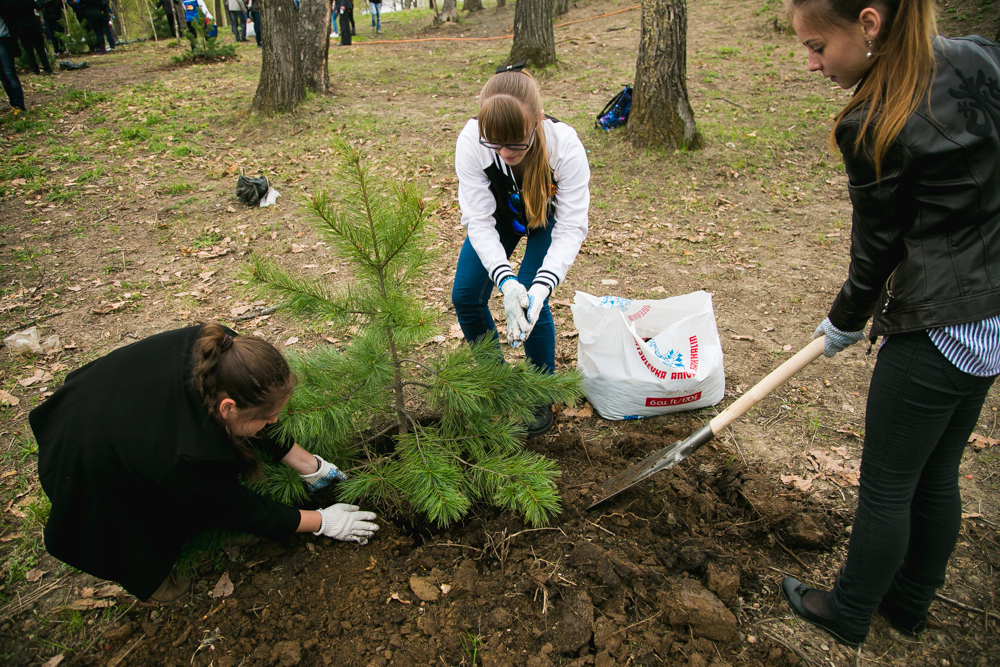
(509, 106)
(902, 64)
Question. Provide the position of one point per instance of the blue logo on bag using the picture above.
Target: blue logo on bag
(615, 303)
(671, 358)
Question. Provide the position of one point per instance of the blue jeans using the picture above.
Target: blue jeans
(376, 15)
(255, 17)
(238, 22)
(472, 289)
(8, 76)
(921, 410)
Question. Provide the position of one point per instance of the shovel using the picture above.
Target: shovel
(680, 450)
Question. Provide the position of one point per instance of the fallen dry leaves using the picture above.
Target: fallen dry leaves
(981, 442)
(223, 588)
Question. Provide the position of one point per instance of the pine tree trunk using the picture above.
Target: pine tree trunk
(561, 7)
(534, 41)
(313, 28)
(661, 115)
(281, 85)
(473, 5)
(449, 12)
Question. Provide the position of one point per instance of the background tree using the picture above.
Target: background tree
(501, 3)
(472, 5)
(534, 40)
(281, 85)
(448, 12)
(560, 7)
(313, 27)
(465, 446)
(661, 114)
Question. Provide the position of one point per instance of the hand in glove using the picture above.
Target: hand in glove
(345, 523)
(515, 300)
(537, 295)
(836, 340)
(326, 474)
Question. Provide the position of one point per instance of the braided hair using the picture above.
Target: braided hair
(247, 369)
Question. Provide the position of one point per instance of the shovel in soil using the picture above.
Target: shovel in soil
(680, 450)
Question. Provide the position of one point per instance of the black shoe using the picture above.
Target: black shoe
(905, 623)
(794, 591)
(542, 423)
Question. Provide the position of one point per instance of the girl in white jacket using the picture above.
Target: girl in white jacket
(520, 174)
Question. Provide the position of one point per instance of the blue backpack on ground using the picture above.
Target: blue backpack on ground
(615, 112)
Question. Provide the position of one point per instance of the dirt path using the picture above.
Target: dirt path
(118, 220)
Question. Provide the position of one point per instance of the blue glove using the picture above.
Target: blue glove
(537, 295)
(326, 474)
(836, 340)
(515, 301)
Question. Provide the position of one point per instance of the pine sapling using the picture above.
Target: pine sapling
(433, 434)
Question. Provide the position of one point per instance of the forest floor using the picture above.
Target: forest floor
(118, 220)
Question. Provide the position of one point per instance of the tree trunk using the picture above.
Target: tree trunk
(281, 85)
(501, 3)
(661, 115)
(561, 7)
(449, 12)
(313, 31)
(221, 16)
(473, 5)
(534, 41)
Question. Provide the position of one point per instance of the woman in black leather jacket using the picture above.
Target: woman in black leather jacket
(921, 140)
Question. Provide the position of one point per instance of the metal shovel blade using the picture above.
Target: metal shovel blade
(677, 452)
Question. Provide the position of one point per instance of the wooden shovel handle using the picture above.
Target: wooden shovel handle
(777, 378)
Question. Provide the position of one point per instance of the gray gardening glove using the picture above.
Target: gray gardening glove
(515, 301)
(537, 295)
(345, 523)
(326, 474)
(836, 340)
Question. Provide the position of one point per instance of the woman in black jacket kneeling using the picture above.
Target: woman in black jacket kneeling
(143, 449)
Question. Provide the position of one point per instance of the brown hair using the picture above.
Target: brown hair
(902, 64)
(509, 106)
(246, 369)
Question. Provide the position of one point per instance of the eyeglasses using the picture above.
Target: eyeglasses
(516, 205)
(511, 147)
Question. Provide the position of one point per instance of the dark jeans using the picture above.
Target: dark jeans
(238, 22)
(472, 289)
(96, 22)
(53, 24)
(255, 16)
(8, 75)
(921, 410)
(345, 29)
(34, 42)
(350, 17)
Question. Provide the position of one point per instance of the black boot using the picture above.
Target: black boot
(542, 422)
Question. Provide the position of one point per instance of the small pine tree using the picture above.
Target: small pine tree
(203, 47)
(472, 450)
(77, 38)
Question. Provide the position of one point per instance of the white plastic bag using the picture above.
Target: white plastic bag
(251, 32)
(28, 343)
(646, 358)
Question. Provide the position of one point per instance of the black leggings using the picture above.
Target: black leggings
(921, 410)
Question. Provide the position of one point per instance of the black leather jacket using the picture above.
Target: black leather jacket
(925, 242)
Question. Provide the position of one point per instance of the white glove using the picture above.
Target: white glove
(345, 523)
(537, 295)
(515, 300)
(327, 473)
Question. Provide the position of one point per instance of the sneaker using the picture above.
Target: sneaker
(542, 422)
(17, 112)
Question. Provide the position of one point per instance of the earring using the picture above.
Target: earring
(869, 54)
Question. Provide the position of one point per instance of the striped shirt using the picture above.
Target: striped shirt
(973, 347)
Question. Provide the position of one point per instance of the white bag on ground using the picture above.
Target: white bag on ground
(646, 358)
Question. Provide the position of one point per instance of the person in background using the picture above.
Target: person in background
(344, 10)
(376, 11)
(238, 19)
(920, 139)
(8, 70)
(253, 6)
(145, 448)
(52, 13)
(521, 175)
(22, 24)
